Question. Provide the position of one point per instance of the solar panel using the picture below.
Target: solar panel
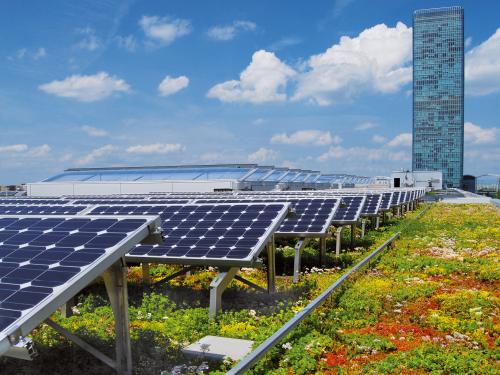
(129, 201)
(22, 201)
(395, 198)
(207, 233)
(312, 215)
(371, 205)
(41, 210)
(44, 261)
(385, 205)
(349, 209)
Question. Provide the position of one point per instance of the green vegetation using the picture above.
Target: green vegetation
(430, 305)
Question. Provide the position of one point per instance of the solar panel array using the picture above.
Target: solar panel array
(41, 210)
(200, 233)
(312, 216)
(41, 257)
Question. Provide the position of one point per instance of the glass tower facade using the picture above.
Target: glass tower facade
(438, 92)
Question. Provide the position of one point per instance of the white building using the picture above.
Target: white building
(424, 179)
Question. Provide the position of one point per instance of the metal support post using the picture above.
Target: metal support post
(271, 266)
(217, 287)
(377, 222)
(338, 240)
(115, 280)
(353, 235)
(67, 308)
(299, 247)
(322, 251)
(146, 276)
(363, 228)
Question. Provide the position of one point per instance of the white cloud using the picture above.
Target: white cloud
(403, 139)
(259, 121)
(264, 80)
(262, 155)
(40, 53)
(228, 32)
(164, 30)
(365, 126)
(90, 41)
(363, 153)
(482, 67)
(171, 85)
(14, 148)
(156, 148)
(86, 88)
(94, 132)
(468, 42)
(212, 157)
(378, 59)
(128, 42)
(42, 150)
(306, 137)
(379, 138)
(96, 154)
(25, 53)
(478, 135)
(284, 43)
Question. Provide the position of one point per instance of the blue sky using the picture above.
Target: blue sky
(324, 85)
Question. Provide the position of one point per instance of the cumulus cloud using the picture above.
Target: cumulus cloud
(164, 30)
(14, 148)
(264, 80)
(94, 132)
(128, 42)
(22, 150)
(379, 138)
(90, 41)
(365, 126)
(156, 148)
(171, 85)
(482, 67)
(228, 32)
(262, 155)
(378, 59)
(306, 137)
(96, 154)
(40, 150)
(86, 88)
(477, 135)
(363, 153)
(403, 139)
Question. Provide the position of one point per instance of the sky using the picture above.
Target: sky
(323, 85)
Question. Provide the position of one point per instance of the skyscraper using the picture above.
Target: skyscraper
(438, 92)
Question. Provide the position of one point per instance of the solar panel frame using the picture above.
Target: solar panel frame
(249, 261)
(34, 316)
(387, 197)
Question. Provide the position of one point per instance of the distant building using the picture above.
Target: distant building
(438, 92)
(421, 179)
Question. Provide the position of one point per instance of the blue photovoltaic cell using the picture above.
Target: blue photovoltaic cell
(41, 210)
(40, 254)
(395, 198)
(386, 201)
(25, 201)
(349, 209)
(208, 231)
(312, 216)
(129, 201)
(371, 205)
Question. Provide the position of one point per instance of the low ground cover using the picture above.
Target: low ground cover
(429, 305)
